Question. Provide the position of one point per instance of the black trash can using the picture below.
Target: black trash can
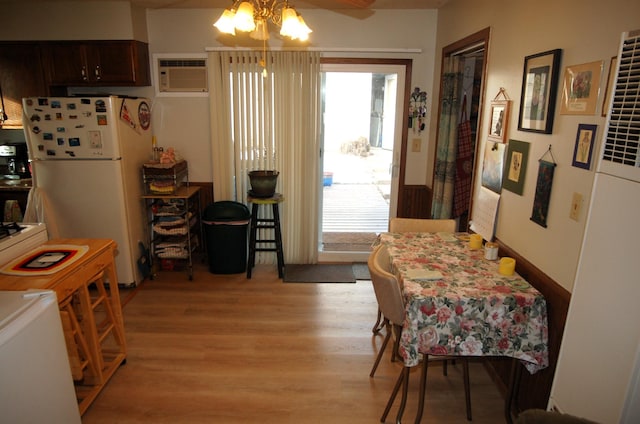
(226, 226)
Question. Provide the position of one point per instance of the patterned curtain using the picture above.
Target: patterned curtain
(446, 150)
(268, 118)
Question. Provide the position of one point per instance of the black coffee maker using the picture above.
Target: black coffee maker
(14, 161)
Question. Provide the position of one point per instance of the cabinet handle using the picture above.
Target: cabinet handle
(84, 73)
(98, 72)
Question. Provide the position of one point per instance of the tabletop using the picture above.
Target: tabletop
(458, 304)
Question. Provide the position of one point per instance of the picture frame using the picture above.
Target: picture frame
(539, 91)
(608, 92)
(580, 88)
(499, 120)
(583, 149)
(515, 166)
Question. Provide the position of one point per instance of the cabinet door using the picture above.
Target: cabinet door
(111, 62)
(21, 76)
(66, 63)
(98, 63)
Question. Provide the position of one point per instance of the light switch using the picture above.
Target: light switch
(576, 205)
(416, 145)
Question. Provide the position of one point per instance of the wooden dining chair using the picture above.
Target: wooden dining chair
(405, 225)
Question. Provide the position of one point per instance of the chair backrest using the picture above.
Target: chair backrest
(405, 225)
(385, 286)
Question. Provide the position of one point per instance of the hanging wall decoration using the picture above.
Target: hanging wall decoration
(500, 108)
(583, 149)
(493, 165)
(543, 189)
(580, 88)
(417, 110)
(516, 166)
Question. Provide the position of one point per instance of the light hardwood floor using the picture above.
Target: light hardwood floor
(224, 349)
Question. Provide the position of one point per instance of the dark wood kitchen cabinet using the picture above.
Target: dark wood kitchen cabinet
(97, 63)
(21, 75)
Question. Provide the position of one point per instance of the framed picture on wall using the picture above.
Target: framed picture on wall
(499, 120)
(583, 149)
(539, 89)
(606, 99)
(515, 166)
(580, 88)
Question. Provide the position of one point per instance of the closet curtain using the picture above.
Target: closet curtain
(446, 150)
(267, 118)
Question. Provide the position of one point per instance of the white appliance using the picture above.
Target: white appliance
(87, 155)
(37, 386)
(598, 371)
(28, 238)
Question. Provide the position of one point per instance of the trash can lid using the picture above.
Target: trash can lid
(226, 211)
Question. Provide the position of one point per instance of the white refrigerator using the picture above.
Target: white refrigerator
(35, 377)
(598, 371)
(86, 155)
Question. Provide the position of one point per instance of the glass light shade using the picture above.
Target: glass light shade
(225, 22)
(289, 23)
(243, 20)
(261, 32)
(303, 29)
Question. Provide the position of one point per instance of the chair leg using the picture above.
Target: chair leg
(394, 393)
(379, 324)
(467, 386)
(396, 344)
(382, 348)
(405, 394)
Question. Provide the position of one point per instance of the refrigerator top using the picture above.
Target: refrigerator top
(84, 127)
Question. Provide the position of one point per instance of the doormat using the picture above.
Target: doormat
(319, 273)
(361, 271)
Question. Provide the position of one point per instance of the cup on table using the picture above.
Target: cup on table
(491, 251)
(507, 266)
(475, 241)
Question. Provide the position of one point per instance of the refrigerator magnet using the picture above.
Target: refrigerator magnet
(101, 119)
(101, 106)
(144, 115)
(60, 141)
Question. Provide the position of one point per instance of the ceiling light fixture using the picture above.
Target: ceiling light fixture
(253, 16)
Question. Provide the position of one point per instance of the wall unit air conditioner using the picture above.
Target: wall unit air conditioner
(181, 75)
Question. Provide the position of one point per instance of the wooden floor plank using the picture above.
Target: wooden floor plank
(224, 349)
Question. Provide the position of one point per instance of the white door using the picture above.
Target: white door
(361, 137)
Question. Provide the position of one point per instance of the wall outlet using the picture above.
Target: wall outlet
(416, 145)
(576, 205)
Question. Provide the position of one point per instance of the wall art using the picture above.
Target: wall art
(580, 88)
(583, 149)
(516, 166)
(539, 90)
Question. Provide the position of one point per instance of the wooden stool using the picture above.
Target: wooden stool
(257, 223)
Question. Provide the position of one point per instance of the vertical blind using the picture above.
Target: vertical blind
(265, 116)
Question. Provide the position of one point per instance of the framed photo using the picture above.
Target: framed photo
(606, 100)
(584, 146)
(539, 90)
(515, 166)
(580, 87)
(499, 120)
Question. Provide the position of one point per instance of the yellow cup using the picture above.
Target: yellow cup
(507, 266)
(475, 241)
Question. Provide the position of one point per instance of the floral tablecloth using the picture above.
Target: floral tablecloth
(458, 304)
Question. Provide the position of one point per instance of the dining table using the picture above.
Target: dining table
(458, 304)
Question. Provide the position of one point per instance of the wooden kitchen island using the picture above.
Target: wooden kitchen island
(89, 303)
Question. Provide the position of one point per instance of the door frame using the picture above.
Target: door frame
(472, 41)
(407, 63)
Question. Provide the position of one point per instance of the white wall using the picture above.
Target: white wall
(184, 122)
(586, 31)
